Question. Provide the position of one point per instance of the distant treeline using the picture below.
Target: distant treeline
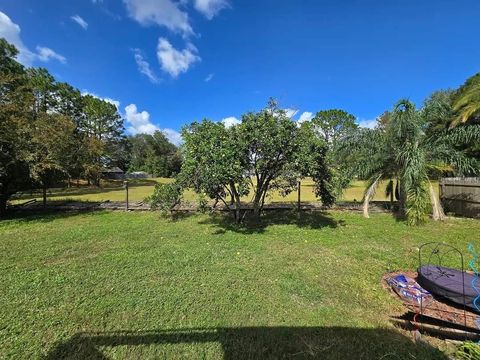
(50, 132)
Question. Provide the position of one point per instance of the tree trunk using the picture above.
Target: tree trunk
(3, 205)
(44, 195)
(402, 200)
(299, 203)
(397, 190)
(235, 195)
(259, 199)
(256, 205)
(391, 194)
(437, 209)
(369, 195)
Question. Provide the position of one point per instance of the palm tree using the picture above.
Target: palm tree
(466, 101)
(402, 150)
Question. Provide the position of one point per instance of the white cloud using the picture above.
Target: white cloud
(290, 112)
(107, 99)
(45, 54)
(175, 61)
(144, 67)
(230, 121)
(210, 8)
(11, 32)
(78, 19)
(139, 123)
(306, 116)
(370, 124)
(173, 136)
(160, 12)
(209, 77)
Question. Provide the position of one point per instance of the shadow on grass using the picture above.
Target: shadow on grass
(49, 214)
(257, 343)
(304, 219)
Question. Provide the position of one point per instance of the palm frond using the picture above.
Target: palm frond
(461, 135)
(467, 100)
(457, 160)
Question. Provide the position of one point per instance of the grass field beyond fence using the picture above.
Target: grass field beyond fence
(116, 285)
(140, 189)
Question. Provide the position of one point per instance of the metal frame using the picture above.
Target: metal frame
(437, 252)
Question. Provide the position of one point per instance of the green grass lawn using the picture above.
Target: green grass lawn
(115, 285)
(140, 189)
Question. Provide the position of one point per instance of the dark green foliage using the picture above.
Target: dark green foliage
(49, 132)
(270, 142)
(333, 124)
(312, 161)
(102, 132)
(165, 197)
(214, 163)
(154, 154)
(202, 203)
(267, 151)
(14, 140)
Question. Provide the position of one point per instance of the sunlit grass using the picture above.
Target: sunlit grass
(134, 285)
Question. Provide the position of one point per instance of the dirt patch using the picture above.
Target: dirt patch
(438, 310)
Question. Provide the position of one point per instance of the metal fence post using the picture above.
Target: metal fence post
(299, 191)
(125, 184)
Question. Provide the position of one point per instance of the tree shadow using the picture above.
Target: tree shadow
(49, 214)
(250, 225)
(258, 343)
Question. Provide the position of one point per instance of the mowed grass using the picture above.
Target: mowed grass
(140, 189)
(115, 285)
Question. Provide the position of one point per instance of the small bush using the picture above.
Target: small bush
(202, 206)
(165, 197)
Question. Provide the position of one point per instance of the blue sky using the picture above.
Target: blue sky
(167, 63)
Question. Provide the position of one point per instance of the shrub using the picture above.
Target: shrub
(202, 206)
(165, 197)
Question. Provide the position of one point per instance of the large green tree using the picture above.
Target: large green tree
(154, 154)
(49, 131)
(214, 163)
(54, 115)
(333, 124)
(101, 129)
(52, 146)
(14, 139)
(330, 126)
(266, 151)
